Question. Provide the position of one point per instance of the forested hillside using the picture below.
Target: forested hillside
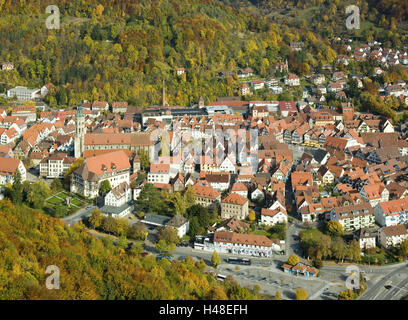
(91, 268)
(118, 50)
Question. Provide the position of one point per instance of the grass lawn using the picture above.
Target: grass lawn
(76, 202)
(63, 195)
(54, 200)
(261, 233)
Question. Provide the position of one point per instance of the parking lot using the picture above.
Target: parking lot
(272, 280)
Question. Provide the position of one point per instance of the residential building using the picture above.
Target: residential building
(392, 212)
(271, 217)
(8, 168)
(159, 172)
(206, 196)
(393, 236)
(234, 205)
(366, 238)
(354, 217)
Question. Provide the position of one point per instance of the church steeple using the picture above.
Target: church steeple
(79, 132)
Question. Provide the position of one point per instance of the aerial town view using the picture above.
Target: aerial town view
(204, 150)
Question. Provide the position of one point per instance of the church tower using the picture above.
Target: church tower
(79, 132)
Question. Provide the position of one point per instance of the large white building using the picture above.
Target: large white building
(112, 166)
(354, 217)
(55, 165)
(240, 244)
(118, 201)
(23, 93)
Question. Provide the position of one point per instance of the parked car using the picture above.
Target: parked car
(161, 256)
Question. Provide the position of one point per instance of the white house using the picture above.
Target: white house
(292, 80)
(271, 217)
(180, 223)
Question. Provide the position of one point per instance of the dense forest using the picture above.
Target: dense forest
(91, 268)
(121, 50)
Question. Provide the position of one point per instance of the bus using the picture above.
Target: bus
(221, 277)
(241, 261)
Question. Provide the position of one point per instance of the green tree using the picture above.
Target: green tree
(56, 185)
(37, 193)
(215, 259)
(144, 159)
(122, 242)
(104, 187)
(150, 200)
(202, 215)
(293, 260)
(301, 294)
(59, 210)
(165, 247)
(17, 189)
(194, 227)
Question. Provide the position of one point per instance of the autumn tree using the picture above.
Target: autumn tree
(346, 295)
(334, 228)
(137, 231)
(293, 260)
(301, 294)
(67, 175)
(96, 218)
(251, 215)
(144, 159)
(169, 234)
(215, 259)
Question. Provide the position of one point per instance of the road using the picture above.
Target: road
(80, 215)
(397, 279)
